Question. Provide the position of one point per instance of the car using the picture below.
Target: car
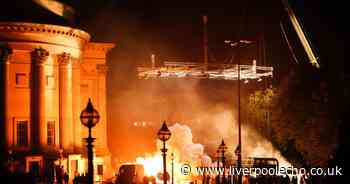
(131, 173)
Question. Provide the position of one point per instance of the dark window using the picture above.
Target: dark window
(22, 133)
(100, 169)
(21, 79)
(50, 132)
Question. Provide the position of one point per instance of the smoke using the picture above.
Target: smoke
(221, 123)
(208, 108)
(186, 151)
(182, 146)
(198, 119)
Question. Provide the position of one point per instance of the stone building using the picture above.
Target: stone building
(48, 73)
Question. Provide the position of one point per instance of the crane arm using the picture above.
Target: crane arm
(301, 34)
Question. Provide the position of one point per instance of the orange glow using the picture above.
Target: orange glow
(189, 153)
(152, 164)
(184, 152)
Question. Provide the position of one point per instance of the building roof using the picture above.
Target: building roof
(30, 11)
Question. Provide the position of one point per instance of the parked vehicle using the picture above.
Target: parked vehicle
(133, 174)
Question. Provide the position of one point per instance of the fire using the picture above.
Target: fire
(192, 154)
(152, 164)
(181, 150)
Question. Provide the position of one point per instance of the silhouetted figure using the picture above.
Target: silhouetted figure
(66, 177)
(59, 175)
(75, 179)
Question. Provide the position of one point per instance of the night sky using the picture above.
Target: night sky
(174, 28)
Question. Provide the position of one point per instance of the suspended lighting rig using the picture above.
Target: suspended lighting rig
(205, 71)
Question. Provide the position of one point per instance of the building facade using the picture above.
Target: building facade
(48, 73)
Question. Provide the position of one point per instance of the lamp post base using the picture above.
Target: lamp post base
(89, 146)
(164, 150)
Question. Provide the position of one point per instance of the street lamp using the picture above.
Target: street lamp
(89, 117)
(164, 135)
(222, 149)
(238, 150)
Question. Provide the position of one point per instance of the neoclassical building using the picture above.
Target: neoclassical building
(48, 73)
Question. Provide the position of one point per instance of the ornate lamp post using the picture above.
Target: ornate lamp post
(222, 149)
(164, 135)
(89, 117)
(239, 44)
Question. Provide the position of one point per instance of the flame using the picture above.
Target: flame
(184, 151)
(192, 154)
(152, 164)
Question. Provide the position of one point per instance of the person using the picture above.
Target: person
(75, 180)
(59, 174)
(66, 177)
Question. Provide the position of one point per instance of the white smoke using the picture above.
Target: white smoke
(222, 124)
(182, 146)
(185, 150)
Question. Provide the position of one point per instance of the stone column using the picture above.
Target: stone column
(78, 140)
(101, 136)
(38, 102)
(5, 129)
(102, 108)
(65, 101)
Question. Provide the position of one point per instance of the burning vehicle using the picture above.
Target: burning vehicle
(131, 173)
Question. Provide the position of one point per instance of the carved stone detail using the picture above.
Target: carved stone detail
(39, 55)
(64, 59)
(5, 53)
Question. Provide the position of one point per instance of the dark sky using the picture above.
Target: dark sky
(174, 28)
